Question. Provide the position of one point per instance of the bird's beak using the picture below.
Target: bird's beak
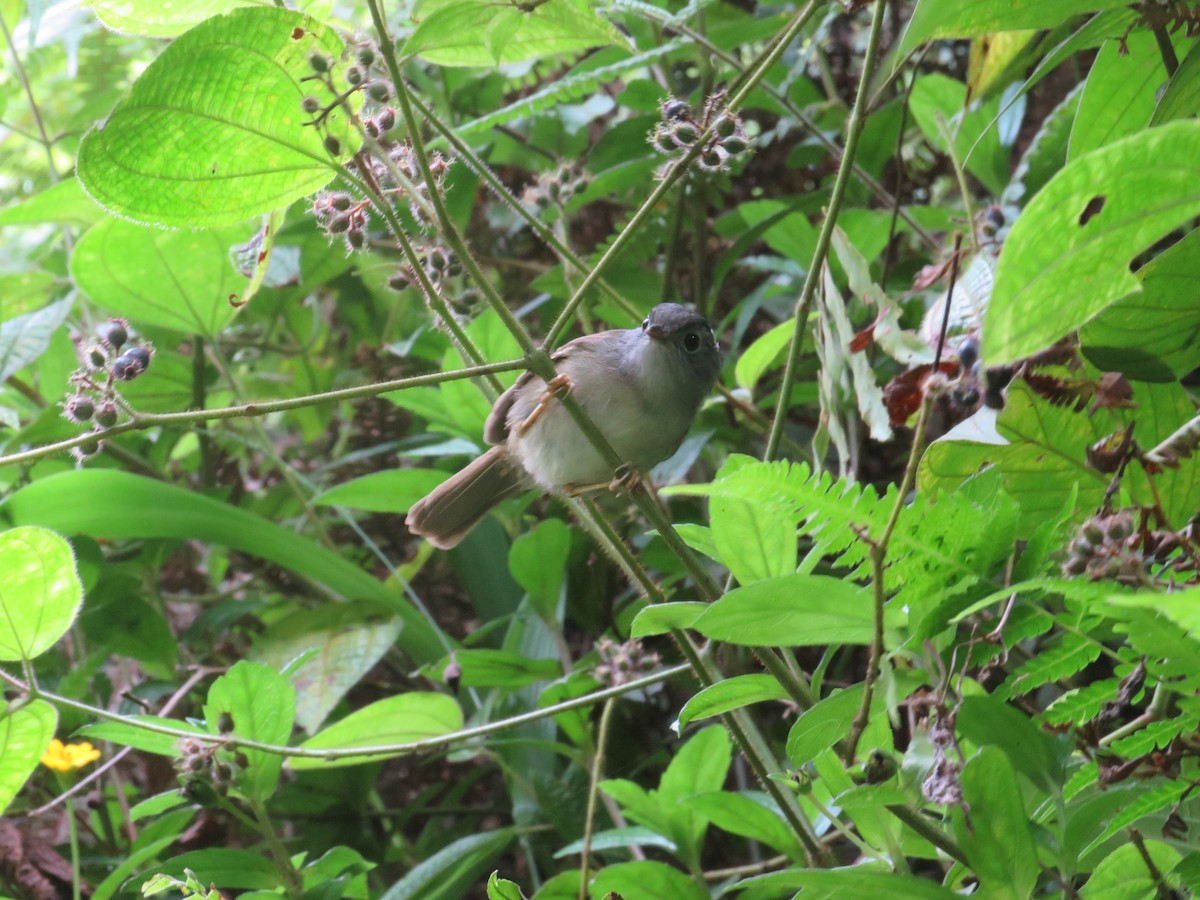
(657, 332)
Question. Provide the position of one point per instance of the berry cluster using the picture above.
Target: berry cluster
(556, 188)
(622, 663)
(207, 771)
(1107, 547)
(95, 399)
(363, 74)
(680, 130)
(437, 262)
(343, 216)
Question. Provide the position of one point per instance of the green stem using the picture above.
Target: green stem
(929, 831)
(203, 438)
(73, 837)
(593, 791)
(425, 745)
(142, 421)
(854, 130)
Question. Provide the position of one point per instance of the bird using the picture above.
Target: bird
(641, 386)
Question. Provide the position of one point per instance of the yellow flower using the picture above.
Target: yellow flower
(68, 757)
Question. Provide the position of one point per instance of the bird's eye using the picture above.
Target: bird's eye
(691, 342)
(645, 323)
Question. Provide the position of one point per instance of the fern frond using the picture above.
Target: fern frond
(1072, 653)
(1156, 734)
(1081, 704)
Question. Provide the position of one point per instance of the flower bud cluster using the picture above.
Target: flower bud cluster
(1107, 548)
(95, 401)
(556, 188)
(437, 262)
(681, 129)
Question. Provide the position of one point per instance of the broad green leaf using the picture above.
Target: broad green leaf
(1075, 241)
(740, 814)
(392, 490)
(182, 280)
(766, 351)
(348, 641)
(262, 706)
(453, 870)
(229, 868)
(1124, 875)
(212, 132)
(934, 19)
(25, 292)
(664, 617)
(489, 33)
(395, 720)
(824, 725)
(40, 593)
(502, 668)
(24, 338)
(988, 721)
(96, 502)
(732, 693)
(1180, 100)
(64, 203)
(128, 734)
(1152, 334)
(645, 878)
(613, 838)
(538, 562)
(700, 765)
(25, 733)
(976, 138)
(851, 883)
(998, 843)
(1118, 97)
(754, 540)
(792, 611)
(155, 18)
(502, 889)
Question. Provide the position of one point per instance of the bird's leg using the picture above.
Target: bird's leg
(556, 387)
(627, 479)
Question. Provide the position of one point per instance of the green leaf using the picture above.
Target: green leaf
(394, 720)
(664, 617)
(182, 280)
(742, 815)
(212, 132)
(1118, 97)
(976, 139)
(936, 19)
(999, 845)
(824, 725)
(488, 33)
(1077, 237)
(96, 502)
(620, 838)
(1181, 607)
(852, 883)
(792, 611)
(538, 562)
(449, 872)
(732, 693)
(766, 352)
(645, 879)
(40, 593)
(155, 18)
(245, 870)
(1152, 334)
(24, 338)
(64, 203)
(501, 668)
(392, 490)
(349, 641)
(1124, 875)
(1181, 99)
(128, 734)
(25, 733)
(262, 706)
(502, 889)
(989, 721)
(755, 540)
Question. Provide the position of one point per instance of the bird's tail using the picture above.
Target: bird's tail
(456, 505)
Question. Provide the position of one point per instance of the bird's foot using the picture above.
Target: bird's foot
(557, 386)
